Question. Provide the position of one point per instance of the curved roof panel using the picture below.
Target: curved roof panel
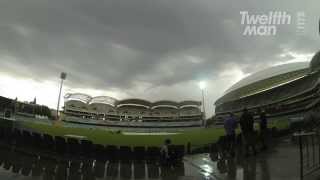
(258, 83)
(75, 101)
(190, 103)
(132, 106)
(268, 73)
(165, 103)
(135, 102)
(77, 96)
(104, 100)
(130, 102)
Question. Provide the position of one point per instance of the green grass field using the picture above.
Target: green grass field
(197, 137)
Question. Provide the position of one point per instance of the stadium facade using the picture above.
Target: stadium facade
(290, 89)
(108, 111)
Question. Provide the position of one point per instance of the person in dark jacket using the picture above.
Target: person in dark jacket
(230, 125)
(164, 152)
(247, 129)
(263, 128)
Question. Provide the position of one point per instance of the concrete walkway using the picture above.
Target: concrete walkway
(279, 162)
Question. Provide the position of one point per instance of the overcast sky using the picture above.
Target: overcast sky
(152, 49)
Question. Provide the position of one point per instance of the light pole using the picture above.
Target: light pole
(63, 76)
(202, 86)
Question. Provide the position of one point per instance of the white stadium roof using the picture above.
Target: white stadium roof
(84, 98)
(267, 73)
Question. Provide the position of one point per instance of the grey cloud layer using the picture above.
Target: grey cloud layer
(121, 43)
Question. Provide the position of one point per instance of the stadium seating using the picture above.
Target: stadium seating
(125, 154)
(37, 140)
(81, 108)
(177, 152)
(293, 96)
(49, 143)
(153, 155)
(100, 153)
(61, 145)
(73, 147)
(27, 139)
(139, 153)
(112, 169)
(153, 170)
(5, 103)
(138, 156)
(17, 136)
(22, 108)
(87, 148)
(139, 170)
(26, 168)
(263, 85)
(99, 169)
(125, 169)
(74, 170)
(36, 168)
(39, 163)
(62, 171)
(112, 153)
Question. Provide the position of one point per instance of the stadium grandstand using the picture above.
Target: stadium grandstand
(290, 89)
(10, 107)
(107, 111)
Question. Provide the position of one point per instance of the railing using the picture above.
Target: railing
(309, 150)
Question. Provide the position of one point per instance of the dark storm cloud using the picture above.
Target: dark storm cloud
(121, 43)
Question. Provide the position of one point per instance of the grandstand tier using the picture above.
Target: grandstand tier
(280, 90)
(256, 84)
(80, 107)
(25, 109)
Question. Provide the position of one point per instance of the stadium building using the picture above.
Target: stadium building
(290, 89)
(108, 111)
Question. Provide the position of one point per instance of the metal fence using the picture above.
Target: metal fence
(309, 150)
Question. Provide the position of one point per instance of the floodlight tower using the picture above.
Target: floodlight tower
(63, 76)
(202, 86)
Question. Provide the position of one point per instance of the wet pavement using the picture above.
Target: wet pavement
(277, 163)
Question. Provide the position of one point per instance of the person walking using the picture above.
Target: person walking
(230, 125)
(247, 130)
(164, 152)
(263, 128)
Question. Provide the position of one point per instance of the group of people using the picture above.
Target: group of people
(248, 133)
